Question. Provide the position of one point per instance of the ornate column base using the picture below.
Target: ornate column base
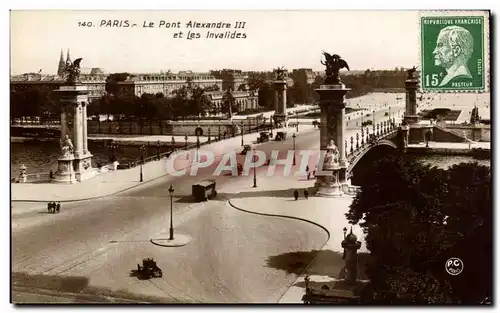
(83, 167)
(328, 185)
(65, 173)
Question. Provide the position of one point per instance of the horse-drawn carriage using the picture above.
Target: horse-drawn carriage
(149, 269)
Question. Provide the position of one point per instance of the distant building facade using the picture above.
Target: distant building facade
(231, 79)
(244, 100)
(139, 84)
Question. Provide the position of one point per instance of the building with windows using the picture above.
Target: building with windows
(244, 100)
(138, 84)
(231, 79)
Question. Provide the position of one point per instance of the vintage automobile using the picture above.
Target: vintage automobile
(264, 136)
(246, 148)
(149, 269)
(280, 136)
(204, 190)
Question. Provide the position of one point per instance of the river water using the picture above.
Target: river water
(41, 157)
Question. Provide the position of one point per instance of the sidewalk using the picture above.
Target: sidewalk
(327, 212)
(112, 182)
(453, 145)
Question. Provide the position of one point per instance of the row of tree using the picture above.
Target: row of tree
(415, 218)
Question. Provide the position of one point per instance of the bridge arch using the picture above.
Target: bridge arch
(359, 163)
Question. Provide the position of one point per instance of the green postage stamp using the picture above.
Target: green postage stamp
(454, 52)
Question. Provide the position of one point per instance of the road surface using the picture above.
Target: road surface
(91, 247)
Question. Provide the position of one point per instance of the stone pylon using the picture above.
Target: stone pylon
(280, 101)
(332, 182)
(411, 86)
(75, 161)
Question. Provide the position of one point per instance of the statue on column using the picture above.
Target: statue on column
(280, 73)
(332, 156)
(67, 147)
(411, 72)
(72, 71)
(334, 63)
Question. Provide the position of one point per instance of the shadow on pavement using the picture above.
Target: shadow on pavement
(76, 288)
(60, 283)
(318, 262)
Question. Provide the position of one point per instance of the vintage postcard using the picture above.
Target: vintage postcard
(251, 157)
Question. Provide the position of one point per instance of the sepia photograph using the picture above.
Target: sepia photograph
(251, 157)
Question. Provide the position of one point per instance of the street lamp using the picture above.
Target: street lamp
(271, 121)
(171, 191)
(197, 148)
(113, 145)
(186, 145)
(158, 149)
(254, 170)
(141, 149)
(242, 144)
(373, 124)
(293, 137)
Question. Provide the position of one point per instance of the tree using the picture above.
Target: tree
(199, 103)
(229, 104)
(415, 217)
(112, 81)
(180, 101)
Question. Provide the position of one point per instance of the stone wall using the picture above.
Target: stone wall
(176, 128)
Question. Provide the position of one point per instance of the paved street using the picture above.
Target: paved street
(93, 245)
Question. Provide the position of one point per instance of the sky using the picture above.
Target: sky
(294, 39)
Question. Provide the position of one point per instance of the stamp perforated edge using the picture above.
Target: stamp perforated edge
(486, 50)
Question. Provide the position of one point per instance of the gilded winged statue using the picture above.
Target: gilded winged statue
(72, 71)
(334, 63)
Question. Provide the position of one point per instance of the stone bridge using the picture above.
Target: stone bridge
(386, 133)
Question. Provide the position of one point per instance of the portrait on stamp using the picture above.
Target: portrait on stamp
(453, 53)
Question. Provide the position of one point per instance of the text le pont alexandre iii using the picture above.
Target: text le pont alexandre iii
(187, 30)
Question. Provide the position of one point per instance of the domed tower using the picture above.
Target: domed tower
(60, 67)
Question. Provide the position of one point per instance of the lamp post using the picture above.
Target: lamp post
(373, 124)
(271, 121)
(345, 232)
(171, 191)
(186, 145)
(141, 149)
(113, 145)
(242, 144)
(254, 170)
(293, 137)
(197, 148)
(158, 145)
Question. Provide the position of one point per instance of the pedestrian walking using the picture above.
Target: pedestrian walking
(308, 175)
(49, 206)
(296, 194)
(58, 207)
(306, 194)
